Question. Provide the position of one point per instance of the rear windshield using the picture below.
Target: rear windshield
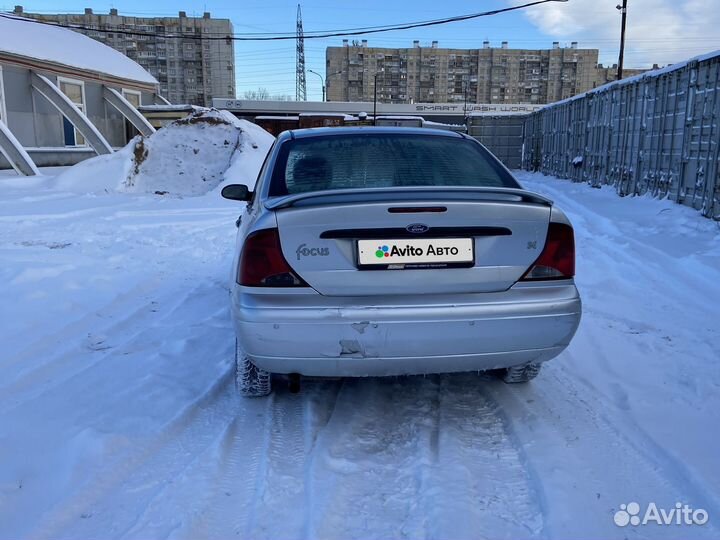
(383, 160)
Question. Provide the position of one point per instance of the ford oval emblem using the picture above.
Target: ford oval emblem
(417, 228)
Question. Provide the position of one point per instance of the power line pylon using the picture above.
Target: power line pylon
(300, 87)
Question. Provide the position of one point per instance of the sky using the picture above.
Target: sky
(659, 31)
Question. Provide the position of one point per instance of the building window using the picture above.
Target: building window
(74, 90)
(134, 98)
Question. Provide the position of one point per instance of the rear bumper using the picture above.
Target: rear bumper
(310, 334)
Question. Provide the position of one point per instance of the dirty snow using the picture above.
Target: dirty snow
(187, 157)
(32, 39)
(119, 417)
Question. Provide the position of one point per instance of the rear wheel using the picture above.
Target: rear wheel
(520, 374)
(251, 380)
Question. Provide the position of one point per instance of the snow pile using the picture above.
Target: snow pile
(253, 146)
(191, 156)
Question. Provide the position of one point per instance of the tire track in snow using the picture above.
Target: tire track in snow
(322, 402)
(138, 388)
(477, 483)
(676, 474)
(421, 458)
(363, 468)
(658, 294)
(558, 445)
(234, 469)
(215, 490)
(280, 492)
(49, 346)
(110, 502)
(122, 327)
(284, 503)
(248, 482)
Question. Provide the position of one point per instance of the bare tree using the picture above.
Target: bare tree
(261, 94)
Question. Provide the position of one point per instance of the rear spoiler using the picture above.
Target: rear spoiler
(416, 193)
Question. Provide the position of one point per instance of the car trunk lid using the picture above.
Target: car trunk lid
(468, 239)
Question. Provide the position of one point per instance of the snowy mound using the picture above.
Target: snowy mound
(191, 156)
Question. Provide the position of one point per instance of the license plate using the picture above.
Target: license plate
(415, 251)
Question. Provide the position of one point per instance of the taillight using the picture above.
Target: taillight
(557, 260)
(262, 263)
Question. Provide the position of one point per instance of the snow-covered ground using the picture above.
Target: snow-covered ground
(119, 417)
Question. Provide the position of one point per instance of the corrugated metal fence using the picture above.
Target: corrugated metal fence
(502, 135)
(656, 133)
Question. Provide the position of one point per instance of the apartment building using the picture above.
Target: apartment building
(189, 67)
(609, 73)
(437, 75)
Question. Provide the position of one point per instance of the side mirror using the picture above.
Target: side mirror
(236, 192)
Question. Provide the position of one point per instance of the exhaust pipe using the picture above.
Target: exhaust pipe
(294, 383)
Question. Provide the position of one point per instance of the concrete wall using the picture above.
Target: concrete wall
(54, 157)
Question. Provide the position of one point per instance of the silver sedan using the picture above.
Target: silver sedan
(394, 251)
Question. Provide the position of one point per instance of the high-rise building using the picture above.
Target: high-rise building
(609, 73)
(176, 50)
(436, 75)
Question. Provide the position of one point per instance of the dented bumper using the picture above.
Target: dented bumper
(300, 331)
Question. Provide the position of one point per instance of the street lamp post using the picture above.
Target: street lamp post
(623, 11)
(330, 75)
(322, 82)
(465, 96)
(375, 98)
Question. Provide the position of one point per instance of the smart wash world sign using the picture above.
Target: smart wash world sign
(251, 107)
(455, 108)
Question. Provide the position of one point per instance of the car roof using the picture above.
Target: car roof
(355, 130)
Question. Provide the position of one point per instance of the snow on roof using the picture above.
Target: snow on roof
(392, 117)
(529, 110)
(183, 107)
(32, 39)
(327, 115)
(431, 123)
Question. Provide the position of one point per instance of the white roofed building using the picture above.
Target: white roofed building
(64, 96)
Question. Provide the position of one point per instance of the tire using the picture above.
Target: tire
(251, 381)
(520, 374)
